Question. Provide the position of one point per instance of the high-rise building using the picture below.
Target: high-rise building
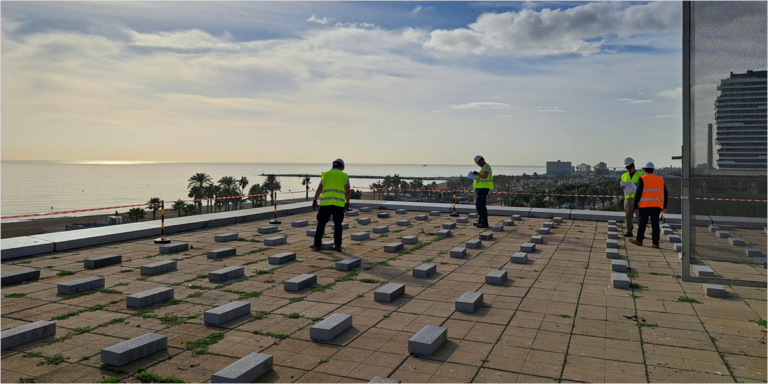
(740, 116)
(584, 168)
(601, 168)
(555, 168)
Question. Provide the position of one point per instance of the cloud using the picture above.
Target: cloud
(635, 101)
(669, 116)
(416, 10)
(355, 25)
(551, 110)
(324, 20)
(505, 116)
(580, 30)
(674, 94)
(183, 40)
(481, 105)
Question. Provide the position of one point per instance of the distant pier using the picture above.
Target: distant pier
(366, 176)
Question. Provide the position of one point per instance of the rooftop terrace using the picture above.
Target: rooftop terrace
(556, 318)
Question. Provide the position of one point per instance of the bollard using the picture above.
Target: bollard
(275, 220)
(454, 214)
(162, 239)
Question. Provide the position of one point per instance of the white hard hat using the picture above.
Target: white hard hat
(628, 161)
(340, 161)
(478, 158)
(649, 165)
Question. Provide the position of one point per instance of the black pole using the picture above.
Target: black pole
(454, 214)
(162, 239)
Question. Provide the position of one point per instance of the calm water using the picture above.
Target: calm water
(36, 186)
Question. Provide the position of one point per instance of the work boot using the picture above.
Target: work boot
(628, 234)
(635, 242)
(314, 247)
(338, 248)
(654, 246)
(483, 226)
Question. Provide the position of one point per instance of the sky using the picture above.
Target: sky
(520, 83)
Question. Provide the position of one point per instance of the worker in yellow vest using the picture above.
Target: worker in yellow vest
(629, 196)
(483, 184)
(333, 193)
(650, 200)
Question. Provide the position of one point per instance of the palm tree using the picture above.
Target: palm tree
(209, 192)
(197, 193)
(305, 182)
(535, 178)
(243, 182)
(189, 209)
(272, 184)
(178, 206)
(199, 179)
(154, 205)
(228, 186)
(255, 200)
(136, 214)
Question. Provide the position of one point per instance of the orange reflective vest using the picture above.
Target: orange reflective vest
(653, 192)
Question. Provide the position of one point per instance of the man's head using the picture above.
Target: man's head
(629, 164)
(339, 164)
(479, 160)
(648, 168)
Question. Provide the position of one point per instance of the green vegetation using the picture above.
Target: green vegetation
(644, 324)
(296, 299)
(126, 270)
(146, 377)
(15, 295)
(248, 240)
(438, 238)
(53, 360)
(244, 294)
(200, 346)
(279, 336)
(760, 322)
(259, 250)
(202, 276)
(260, 315)
(141, 279)
(383, 263)
(386, 316)
(360, 296)
(636, 286)
(658, 274)
(26, 380)
(293, 315)
(65, 273)
(686, 299)
(632, 295)
(323, 361)
(176, 320)
(123, 284)
(147, 313)
(270, 271)
(348, 277)
(372, 281)
(565, 316)
(112, 379)
(631, 275)
(196, 286)
(31, 355)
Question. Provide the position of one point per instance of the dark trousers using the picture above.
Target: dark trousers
(324, 214)
(653, 214)
(481, 199)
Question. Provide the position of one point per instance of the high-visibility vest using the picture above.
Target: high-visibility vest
(653, 192)
(484, 183)
(635, 178)
(333, 188)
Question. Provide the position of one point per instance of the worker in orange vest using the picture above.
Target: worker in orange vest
(650, 201)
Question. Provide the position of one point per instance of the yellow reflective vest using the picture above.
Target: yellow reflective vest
(333, 188)
(484, 183)
(635, 179)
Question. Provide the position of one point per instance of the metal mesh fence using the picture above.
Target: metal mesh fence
(728, 131)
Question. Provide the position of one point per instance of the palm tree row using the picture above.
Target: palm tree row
(227, 191)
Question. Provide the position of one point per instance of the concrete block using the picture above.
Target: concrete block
(410, 239)
(458, 252)
(620, 280)
(611, 253)
(528, 247)
(667, 231)
(449, 225)
(173, 248)
(674, 239)
(134, 349)
(469, 302)
(268, 229)
(496, 277)
(361, 236)
(227, 312)
(509, 222)
(676, 226)
(20, 276)
(612, 243)
(713, 228)
(383, 215)
(618, 265)
(364, 220)
(224, 274)
(348, 264)
(300, 282)
(365, 209)
(389, 292)
(557, 220)
(543, 231)
(102, 261)
(149, 297)
(225, 237)
(613, 235)
(752, 252)
(434, 213)
(537, 239)
(424, 270)
(678, 247)
(736, 241)
(28, 332)
(497, 228)
(516, 217)
(519, 258)
(612, 228)
(311, 232)
(81, 285)
(723, 234)
(245, 370)
(611, 222)
(277, 240)
(303, 223)
(221, 253)
(714, 290)
(421, 217)
(343, 226)
(401, 211)
(159, 267)
(462, 220)
(487, 236)
(331, 327)
(351, 213)
(473, 215)
(282, 258)
(393, 247)
(427, 340)
(403, 223)
(762, 261)
(327, 245)
(444, 233)
(474, 244)
(702, 271)
(381, 229)
(548, 224)
(379, 379)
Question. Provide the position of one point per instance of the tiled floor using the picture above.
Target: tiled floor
(556, 319)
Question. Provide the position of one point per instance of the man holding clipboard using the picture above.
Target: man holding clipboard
(628, 184)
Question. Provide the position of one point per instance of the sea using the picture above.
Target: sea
(30, 187)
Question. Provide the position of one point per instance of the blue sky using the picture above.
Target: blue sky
(373, 82)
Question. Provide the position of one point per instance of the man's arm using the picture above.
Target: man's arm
(666, 197)
(347, 192)
(483, 174)
(638, 193)
(319, 192)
